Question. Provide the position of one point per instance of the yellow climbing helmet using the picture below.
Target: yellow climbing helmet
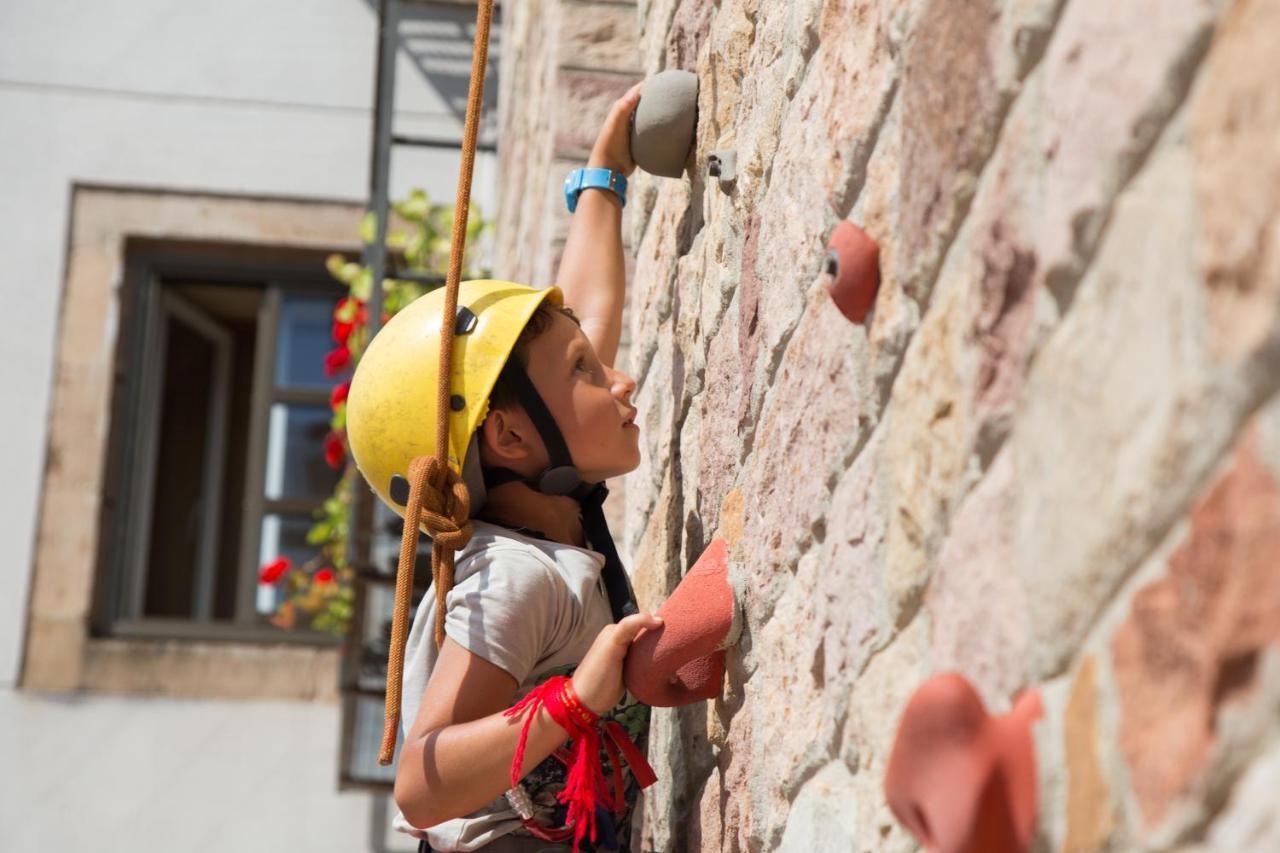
(391, 407)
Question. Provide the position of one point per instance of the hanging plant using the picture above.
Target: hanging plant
(318, 593)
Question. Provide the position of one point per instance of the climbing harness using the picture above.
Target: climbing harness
(585, 789)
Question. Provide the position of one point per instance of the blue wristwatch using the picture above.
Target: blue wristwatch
(603, 179)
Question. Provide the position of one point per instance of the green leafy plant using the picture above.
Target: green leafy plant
(319, 593)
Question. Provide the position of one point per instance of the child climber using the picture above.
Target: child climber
(513, 695)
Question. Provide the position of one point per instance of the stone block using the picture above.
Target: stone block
(207, 670)
(1104, 100)
(794, 717)
(654, 17)
(951, 104)
(686, 34)
(54, 654)
(1250, 820)
(1235, 120)
(721, 405)
(582, 101)
(976, 603)
(929, 437)
(600, 36)
(1192, 640)
(657, 416)
(731, 518)
(824, 816)
(655, 569)
(1090, 818)
(555, 218)
(87, 339)
(653, 284)
(851, 606)
(686, 312)
(738, 816)
(706, 831)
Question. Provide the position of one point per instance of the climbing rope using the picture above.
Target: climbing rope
(438, 498)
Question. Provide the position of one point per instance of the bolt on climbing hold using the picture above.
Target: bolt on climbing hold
(851, 271)
(959, 779)
(683, 661)
(665, 122)
(723, 166)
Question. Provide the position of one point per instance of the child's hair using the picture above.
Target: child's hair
(503, 395)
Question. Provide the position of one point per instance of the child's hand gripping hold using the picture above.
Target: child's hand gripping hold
(598, 678)
(612, 149)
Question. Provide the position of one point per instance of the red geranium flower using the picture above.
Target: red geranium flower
(338, 395)
(341, 331)
(325, 575)
(336, 361)
(334, 452)
(358, 318)
(272, 572)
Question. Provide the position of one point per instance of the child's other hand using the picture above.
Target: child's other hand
(598, 679)
(613, 146)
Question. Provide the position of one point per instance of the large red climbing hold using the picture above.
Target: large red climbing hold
(959, 779)
(852, 271)
(683, 661)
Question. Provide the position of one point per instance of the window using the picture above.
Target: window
(216, 458)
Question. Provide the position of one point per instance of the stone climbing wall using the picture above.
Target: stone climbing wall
(1051, 456)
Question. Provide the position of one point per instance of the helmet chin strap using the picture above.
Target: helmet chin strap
(561, 477)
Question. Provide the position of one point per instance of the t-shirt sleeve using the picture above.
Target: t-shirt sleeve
(509, 611)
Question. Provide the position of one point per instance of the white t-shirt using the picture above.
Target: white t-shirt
(530, 606)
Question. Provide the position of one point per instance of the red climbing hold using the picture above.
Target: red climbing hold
(683, 661)
(852, 271)
(960, 780)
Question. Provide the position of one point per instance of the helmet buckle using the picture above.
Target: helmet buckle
(560, 480)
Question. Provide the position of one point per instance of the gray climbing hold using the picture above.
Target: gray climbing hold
(663, 128)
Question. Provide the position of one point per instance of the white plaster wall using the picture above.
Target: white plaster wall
(122, 775)
(242, 97)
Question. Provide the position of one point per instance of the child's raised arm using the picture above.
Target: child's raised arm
(592, 269)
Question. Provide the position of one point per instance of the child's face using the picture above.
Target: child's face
(589, 401)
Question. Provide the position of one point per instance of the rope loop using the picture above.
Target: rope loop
(445, 505)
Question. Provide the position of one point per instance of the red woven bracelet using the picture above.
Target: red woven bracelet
(585, 785)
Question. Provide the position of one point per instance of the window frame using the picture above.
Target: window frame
(149, 265)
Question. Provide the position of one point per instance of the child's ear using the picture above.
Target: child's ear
(504, 438)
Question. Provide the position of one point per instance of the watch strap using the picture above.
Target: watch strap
(593, 178)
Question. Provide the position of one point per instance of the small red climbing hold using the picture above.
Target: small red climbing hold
(852, 271)
(683, 661)
(959, 779)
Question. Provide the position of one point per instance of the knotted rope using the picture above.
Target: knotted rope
(437, 496)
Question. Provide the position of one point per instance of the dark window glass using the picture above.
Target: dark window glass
(304, 337)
